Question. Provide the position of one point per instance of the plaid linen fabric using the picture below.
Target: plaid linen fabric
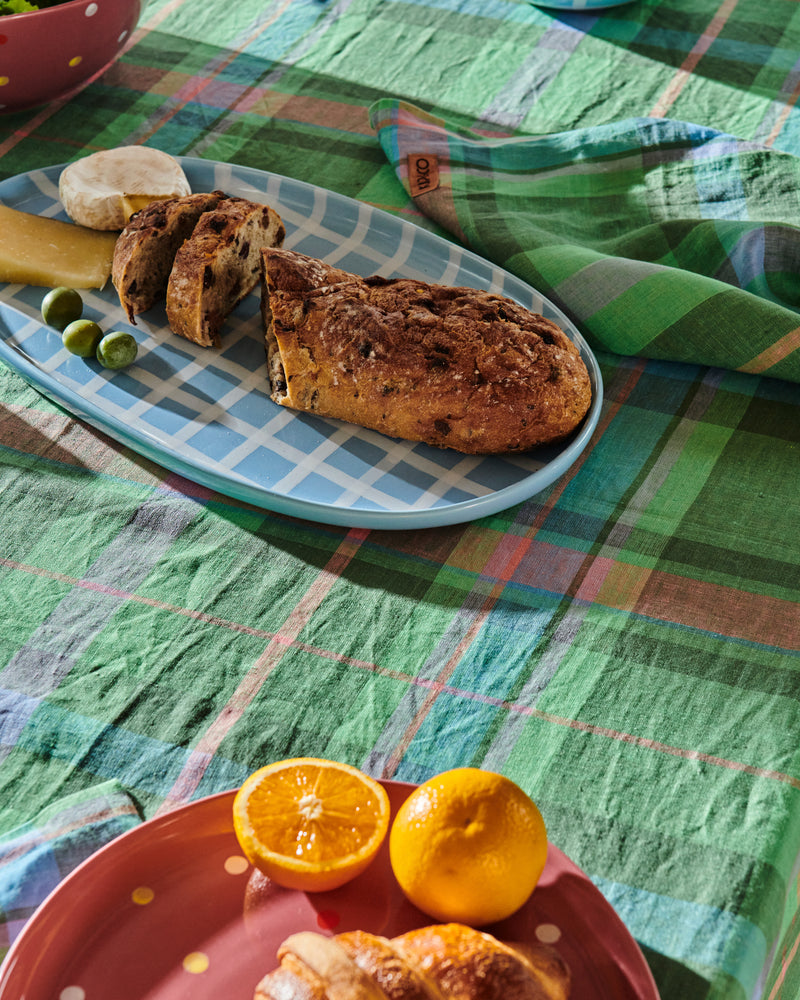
(624, 644)
(37, 855)
(659, 238)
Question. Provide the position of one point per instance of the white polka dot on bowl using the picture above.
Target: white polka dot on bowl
(236, 864)
(548, 933)
(72, 993)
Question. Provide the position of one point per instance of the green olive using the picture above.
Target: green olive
(61, 306)
(117, 349)
(81, 337)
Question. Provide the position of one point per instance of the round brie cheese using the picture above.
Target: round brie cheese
(104, 189)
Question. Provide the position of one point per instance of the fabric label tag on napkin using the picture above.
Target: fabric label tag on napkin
(423, 173)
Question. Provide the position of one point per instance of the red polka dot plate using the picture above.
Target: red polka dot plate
(163, 913)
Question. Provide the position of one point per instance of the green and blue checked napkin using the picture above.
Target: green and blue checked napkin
(659, 238)
(36, 856)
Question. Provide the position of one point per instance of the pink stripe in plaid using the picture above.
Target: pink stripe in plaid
(701, 46)
(195, 767)
(774, 353)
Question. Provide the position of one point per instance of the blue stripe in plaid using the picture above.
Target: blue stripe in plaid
(15, 710)
(690, 932)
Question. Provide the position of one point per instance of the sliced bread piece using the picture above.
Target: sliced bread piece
(218, 265)
(146, 248)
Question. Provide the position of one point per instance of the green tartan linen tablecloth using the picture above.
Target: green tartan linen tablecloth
(626, 644)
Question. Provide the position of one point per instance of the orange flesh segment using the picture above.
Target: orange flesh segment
(313, 814)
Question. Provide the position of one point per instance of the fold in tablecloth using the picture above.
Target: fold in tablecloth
(35, 857)
(659, 238)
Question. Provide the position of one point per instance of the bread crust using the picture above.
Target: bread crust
(217, 266)
(145, 249)
(454, 367)
(437, 962)
(469, 964)
(398, 978)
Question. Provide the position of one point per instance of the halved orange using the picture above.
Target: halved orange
(309, 823)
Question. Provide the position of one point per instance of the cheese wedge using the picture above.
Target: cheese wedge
(103, 190)
(39, 251)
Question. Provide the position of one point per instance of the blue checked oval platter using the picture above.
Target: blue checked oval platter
(206, 415)
(579, 5)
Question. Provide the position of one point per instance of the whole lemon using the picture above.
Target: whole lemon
(468, 846)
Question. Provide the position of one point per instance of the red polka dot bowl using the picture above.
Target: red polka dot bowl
(52, 53)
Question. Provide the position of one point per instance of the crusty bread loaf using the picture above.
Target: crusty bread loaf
(217, 266)
(146, 248)
(439, 962)
(453, 367)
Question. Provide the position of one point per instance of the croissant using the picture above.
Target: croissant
(440, 962)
